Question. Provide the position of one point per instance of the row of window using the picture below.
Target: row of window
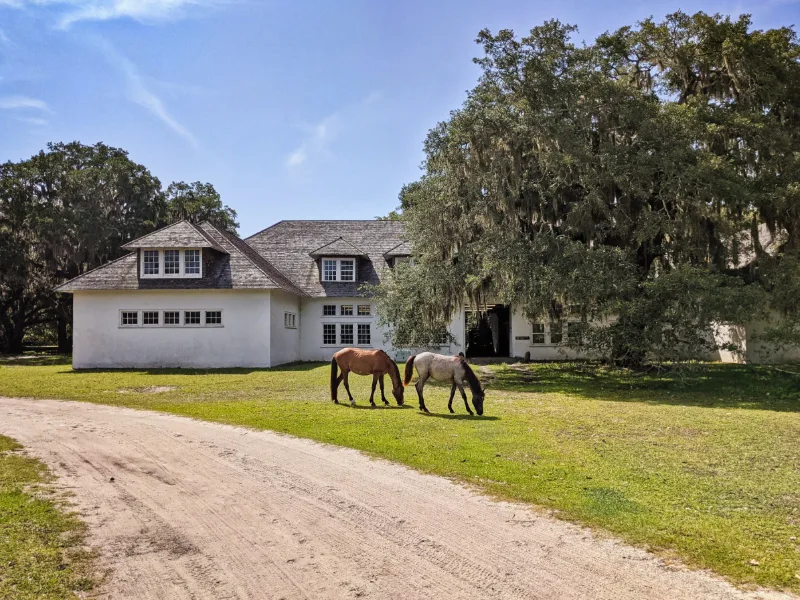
(554, 333)
(338, 269)
(171, 263)
(363, 331)
(170, 318)
(346, 310)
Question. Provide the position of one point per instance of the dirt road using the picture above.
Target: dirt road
(200, 510)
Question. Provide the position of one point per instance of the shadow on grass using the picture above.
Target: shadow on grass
(296, 366)
(461, 417)
(376, 407)
(34, 360)
(707, 385)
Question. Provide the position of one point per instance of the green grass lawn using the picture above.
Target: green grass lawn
(702, 465)
(40, 541)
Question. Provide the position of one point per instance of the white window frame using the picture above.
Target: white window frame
(548, 333)
(333, 314)
(290, 320)
(129, 325)
(352, 341)
(182, 274)
(158, 263)
(358, 333)
(150, 310)
(338, 269)
(164, 317)
(181, 318)
(335, 334)
(366, 314)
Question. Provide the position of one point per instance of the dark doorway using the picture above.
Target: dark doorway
(488, 331)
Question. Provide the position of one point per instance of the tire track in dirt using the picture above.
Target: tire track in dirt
(206, 511)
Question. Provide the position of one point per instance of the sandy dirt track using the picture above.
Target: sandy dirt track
(200, 510)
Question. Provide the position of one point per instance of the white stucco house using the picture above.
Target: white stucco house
(196, 296)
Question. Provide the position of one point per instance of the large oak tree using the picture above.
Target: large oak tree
(638, 177)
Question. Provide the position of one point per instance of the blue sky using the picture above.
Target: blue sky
(293, 110)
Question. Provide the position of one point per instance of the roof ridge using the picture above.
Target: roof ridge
(346, 241)
(246, 253)
(98, 267)
(263, 230)
(152, 232)
(202, 232)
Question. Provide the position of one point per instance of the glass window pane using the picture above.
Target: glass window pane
(346, 310)
(364, 310)
(328, 270)
(556, 332)
(537, 336)
(151, 266)
(191, 262)
(329, 333)
(130, 318)
(172, 262)
(213, 317)
(329, 310)
(347, 270)
(172, 317)
(364, 337)
(346, 334)
(191, 317)
(150, 317)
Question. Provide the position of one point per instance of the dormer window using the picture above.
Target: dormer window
(338, 269)
(171, 263)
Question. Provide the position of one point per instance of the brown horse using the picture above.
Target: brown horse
(365, 362)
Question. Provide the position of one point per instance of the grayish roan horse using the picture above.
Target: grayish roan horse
(453, 369)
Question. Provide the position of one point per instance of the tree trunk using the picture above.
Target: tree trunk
(64, 339)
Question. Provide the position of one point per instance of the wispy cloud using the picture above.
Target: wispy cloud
(141, 94)
(32, 121)
(145, 11)
(319, 137)
(317, 141)
(23, 102)
(4, 39)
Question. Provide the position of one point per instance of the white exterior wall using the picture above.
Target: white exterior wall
(311, 319)
(242, 341)
(284, 342)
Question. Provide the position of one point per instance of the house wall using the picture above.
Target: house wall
(522, 328)
(242, 341)
(759, 352)
(284, 341)
(312, 319)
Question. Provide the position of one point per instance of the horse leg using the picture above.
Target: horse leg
(338, 382)
(464, 396)
(347, 387)
(372, 395)
(420, 385)
(452, 393)
(383, 396)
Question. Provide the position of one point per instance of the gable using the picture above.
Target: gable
(182, 234)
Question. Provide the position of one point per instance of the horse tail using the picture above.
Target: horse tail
(409, 370)
(334, 377)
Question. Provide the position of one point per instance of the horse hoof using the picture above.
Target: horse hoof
(452, 412)
(336, 402)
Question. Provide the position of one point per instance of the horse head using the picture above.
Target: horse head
(397, 392)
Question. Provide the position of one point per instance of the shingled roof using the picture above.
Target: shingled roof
(338, 247)
(289, 244)
(182, 234)
(228, 264)
(402, 249)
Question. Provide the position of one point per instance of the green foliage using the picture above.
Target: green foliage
(197, 202)
(68, 210)
(638, 177)
(40, 544)
(699, 463)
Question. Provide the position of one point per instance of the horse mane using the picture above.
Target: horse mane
(395, 372)
(472, 379)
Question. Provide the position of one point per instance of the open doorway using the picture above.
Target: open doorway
(488, 331)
